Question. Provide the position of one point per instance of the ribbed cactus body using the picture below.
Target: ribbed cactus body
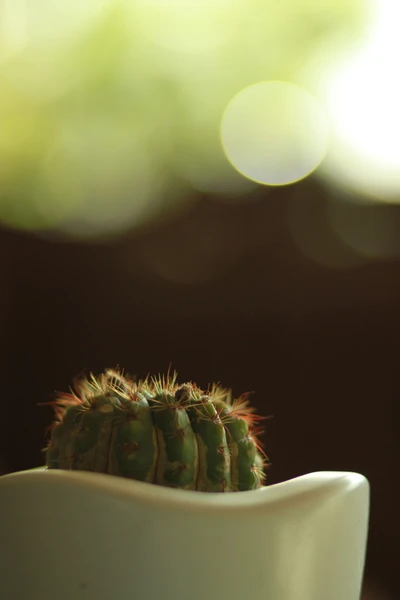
(159, 432)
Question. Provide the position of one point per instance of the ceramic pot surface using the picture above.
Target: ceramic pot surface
(71, 534)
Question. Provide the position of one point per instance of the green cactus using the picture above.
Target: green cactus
(159, 432)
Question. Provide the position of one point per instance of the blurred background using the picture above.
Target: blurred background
(214, 185)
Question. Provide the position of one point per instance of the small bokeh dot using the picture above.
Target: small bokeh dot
(274, 132)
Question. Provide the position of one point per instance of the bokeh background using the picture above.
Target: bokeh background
(214, 185)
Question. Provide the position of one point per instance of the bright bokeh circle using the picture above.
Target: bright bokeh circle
(274, 132)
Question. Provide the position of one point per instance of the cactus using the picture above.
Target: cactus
(159, 432)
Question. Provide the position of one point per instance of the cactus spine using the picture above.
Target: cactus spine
(159, 432)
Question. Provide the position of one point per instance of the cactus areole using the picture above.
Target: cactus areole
(159, 432)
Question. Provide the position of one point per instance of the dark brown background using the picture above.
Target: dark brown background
(222, 292)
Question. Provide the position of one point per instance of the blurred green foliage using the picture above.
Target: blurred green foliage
(110, 110)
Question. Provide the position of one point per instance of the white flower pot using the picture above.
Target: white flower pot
(66, 535)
